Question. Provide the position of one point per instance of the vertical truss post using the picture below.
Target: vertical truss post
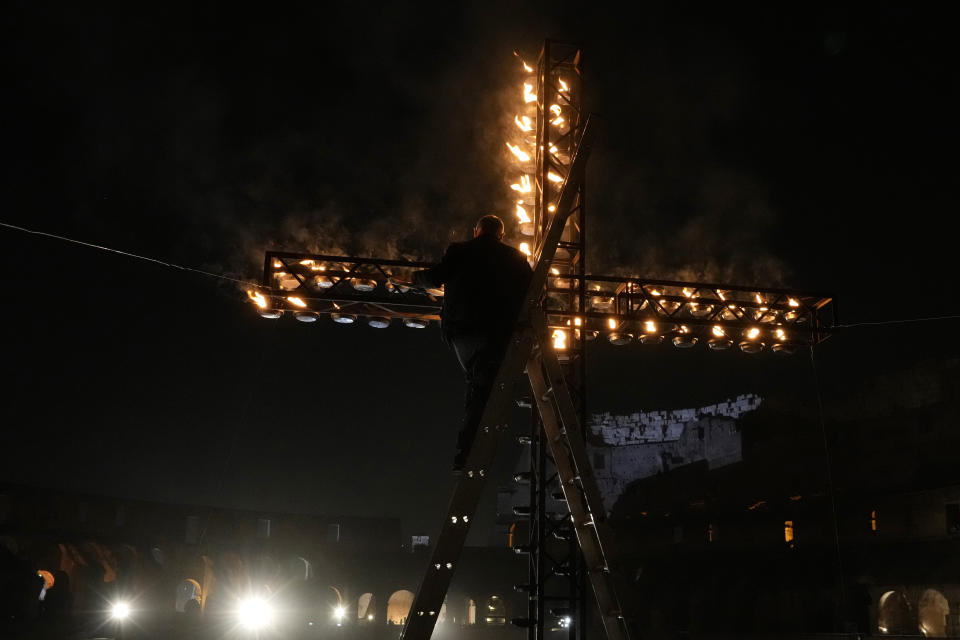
(587, 516)
(561, 586)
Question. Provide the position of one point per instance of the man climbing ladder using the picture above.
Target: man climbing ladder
(485, 281)
(529, 350)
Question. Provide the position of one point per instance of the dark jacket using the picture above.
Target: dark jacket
(484, 284)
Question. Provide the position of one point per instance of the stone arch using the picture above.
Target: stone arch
(48, 579)
(366, 605)
(894, 616)
(188, 589)
(932, 611)
(301, 568)
(398, 606)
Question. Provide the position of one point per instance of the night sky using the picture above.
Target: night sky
(808, 147)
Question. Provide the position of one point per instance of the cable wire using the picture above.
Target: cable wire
(164, 263)
(247, 283)
(888, 322)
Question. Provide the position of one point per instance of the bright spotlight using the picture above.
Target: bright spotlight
(254, 613)
(339, 613)
(120, 611)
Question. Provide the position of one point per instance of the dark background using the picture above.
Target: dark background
(807, 146)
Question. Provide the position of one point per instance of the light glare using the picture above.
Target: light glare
(254, 613)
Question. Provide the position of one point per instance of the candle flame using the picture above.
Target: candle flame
(559, 339)
(753, 332)
(297, 301)
(524, 186)
(556, 111)
(277, 264)
(524, 123)
(258, 299)
(527, 67)
(718, 331)
(528, 94)
(525, 249)
(564, 87)
(793, 302)
(611, 323)
(522, 214)
(520, 153)
(551, 208)
(650, 326)
(781, 334)
(688, 292)
(577, 321)
(554, 271)
(553, 177)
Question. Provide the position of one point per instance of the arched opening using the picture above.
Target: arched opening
(48, 583)
(365, 607)
(299, 568)
(893, 614)
(339, 610)
(48, 580)
(398, 606)
(188, 590)
(471, 611)
(932, 612)
(496, 613)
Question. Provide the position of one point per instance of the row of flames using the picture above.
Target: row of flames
(751, 339)
(522, 146)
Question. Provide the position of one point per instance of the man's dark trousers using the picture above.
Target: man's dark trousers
(479, 355)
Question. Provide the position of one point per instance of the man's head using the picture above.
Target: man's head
(489, 225)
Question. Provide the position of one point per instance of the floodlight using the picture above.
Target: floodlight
(120, 611)
(254, 613)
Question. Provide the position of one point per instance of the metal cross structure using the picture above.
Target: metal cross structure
(564, 309)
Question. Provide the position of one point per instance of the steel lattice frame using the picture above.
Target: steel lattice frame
(557, 585)
(579, 306)
(310, 286)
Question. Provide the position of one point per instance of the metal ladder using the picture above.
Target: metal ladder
(529, 351)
